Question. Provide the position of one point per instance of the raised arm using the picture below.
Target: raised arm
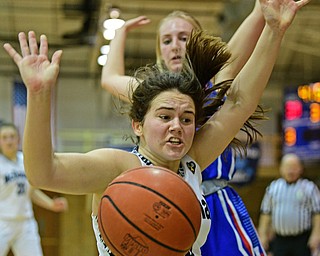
(73, 173)
(39, 76)
(242, 43)
(113, 77)
(248, 86)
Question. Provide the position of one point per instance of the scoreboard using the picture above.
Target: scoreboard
(301, 122)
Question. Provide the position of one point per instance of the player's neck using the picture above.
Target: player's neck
(10, 156)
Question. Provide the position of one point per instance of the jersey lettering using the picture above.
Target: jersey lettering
(14, 176)
(205, 210)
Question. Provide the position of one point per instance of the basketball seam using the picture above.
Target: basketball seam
(141, 231)
(105, 234)
(159, 194)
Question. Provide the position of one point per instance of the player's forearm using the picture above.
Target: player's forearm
(37, 144)
(41, 199)
(243, 43)
(248, 86)
(113, 77)
(115, 65)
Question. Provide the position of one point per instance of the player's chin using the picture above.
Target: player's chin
(176, 152)
(176, 67)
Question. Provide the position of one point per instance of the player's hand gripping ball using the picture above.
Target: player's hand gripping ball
(149, 211)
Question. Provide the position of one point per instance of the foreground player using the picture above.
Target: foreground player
(166, 110)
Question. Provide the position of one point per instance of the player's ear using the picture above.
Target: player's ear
(137, 127)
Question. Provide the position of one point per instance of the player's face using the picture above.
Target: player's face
(168, 128)
(9, 141)
(174, 34)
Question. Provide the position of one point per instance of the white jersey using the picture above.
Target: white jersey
(192, 175)
(15, 203)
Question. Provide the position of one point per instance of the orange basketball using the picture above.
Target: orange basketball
(149, 211)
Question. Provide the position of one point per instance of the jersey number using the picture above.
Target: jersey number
(21, 188)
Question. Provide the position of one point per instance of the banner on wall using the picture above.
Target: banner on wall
(19, 109)
(246, 166)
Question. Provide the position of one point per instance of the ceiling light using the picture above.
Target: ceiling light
(102, 59)
(109, 34)
(114, 13)
(113, 24)
(104, 49)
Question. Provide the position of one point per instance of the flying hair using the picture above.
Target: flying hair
(206, 55)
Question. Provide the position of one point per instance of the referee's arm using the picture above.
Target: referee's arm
(265, 230)
(314, 240)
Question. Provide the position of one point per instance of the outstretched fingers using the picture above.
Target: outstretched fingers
(33, 46)
(12, 53)
(137, 22)
(43, 45)
(279, 14)
(56, 57)
(24, 47)
(302, 3)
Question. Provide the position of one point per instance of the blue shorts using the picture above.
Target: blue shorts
(232, 231)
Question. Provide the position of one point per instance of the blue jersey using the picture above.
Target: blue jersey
(222, 168)
(232, 232)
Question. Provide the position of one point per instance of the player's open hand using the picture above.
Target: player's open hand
(136, 22)
(279, 14)
(36, 70)
(60, 204)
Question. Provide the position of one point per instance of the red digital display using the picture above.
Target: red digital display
(293, 109)
(301, 122)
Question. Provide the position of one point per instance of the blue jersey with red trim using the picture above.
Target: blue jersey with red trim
(222, 168)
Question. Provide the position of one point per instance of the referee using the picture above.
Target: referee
(290, 212)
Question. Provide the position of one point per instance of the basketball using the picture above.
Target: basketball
(149, 211)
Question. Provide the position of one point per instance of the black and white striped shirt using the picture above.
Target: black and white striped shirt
(291, 206)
